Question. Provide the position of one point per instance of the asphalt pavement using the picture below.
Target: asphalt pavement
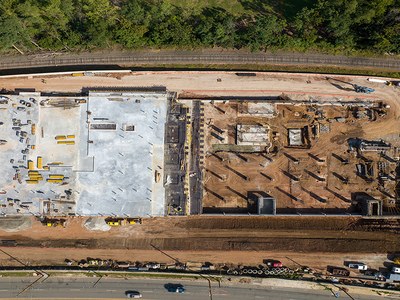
(87, 288)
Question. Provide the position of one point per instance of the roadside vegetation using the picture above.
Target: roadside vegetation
(334, 26)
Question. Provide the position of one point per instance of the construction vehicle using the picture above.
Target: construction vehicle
(363, 89)
(122, 221)
(114, 222)
(133, 221)
(50, 222)
(357, 88)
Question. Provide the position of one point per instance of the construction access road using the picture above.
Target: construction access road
(312, 241)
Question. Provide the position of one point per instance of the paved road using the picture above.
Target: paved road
(193, 57)
(59, 288)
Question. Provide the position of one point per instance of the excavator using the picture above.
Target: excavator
(356, 88)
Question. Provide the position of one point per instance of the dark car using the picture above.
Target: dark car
(133, 294)
(175, 288)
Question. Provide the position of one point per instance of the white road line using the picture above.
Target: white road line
(111, 290)
(75, 290)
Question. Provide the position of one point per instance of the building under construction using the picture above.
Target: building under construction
(99, 153)
(319, 157)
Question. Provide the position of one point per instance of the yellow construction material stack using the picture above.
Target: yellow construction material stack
(56, 176)
(31, 181)
(60, 137)
(33, 129)
(35, 175)
(31, 165)
(39, 162)
(66, 142)
(72, 136)
(54, 180)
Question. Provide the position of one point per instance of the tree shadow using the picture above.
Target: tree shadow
(287, 8)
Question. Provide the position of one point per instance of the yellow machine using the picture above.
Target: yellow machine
(30, 165)
(60, 137)
(114, 223)
(53, 222)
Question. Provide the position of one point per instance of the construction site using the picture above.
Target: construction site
(210, 166)
(329, 149)
(299, 158)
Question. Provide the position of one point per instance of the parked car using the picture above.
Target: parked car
(358, 266)
(273, 263)
(133, 294)
(374, 273)
(396, 269)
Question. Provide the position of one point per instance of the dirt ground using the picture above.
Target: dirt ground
(310, 241)
(316, 234)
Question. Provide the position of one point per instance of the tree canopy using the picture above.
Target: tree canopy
(337, 25)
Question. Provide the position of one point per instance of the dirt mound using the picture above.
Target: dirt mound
(14, 224)
(96, 224)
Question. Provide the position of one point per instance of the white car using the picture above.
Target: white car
(358, 266)
(133, 294)
(396, 269)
